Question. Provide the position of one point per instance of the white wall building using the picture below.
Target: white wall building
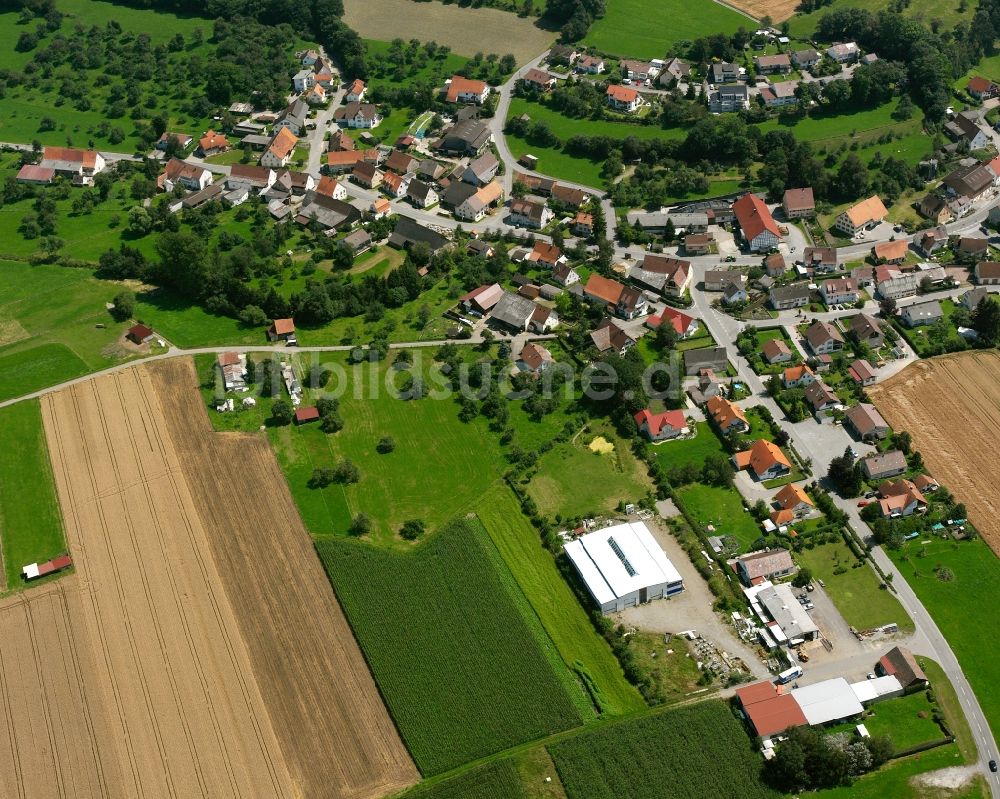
(623, 566)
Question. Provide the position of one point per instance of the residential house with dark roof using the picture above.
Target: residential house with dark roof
(867, 330)
(794, 295)
(756, 567)
(609, 337)
(900, 663)
(529, 213)
(663, 274)
(866, 422)
(468, 137)
(821, 260)
(798, 203)
(409, 232)
(823, 338)
(884, 465)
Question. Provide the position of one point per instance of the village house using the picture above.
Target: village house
(867, 330)
(821, 397)
(530, 214)
(922, 313)
(608, 337)
(891, 283)
(232, 369)
(661, 426)
(972, 249)
(545, 254)
(794, 499)
(293, 117)
(675, 71)
(866, 422)
(623, 98)
(590, 64)
(775, 350)
(324, 73)
(764, 459)
(282, 330)
(466, 90)
(864, 276)
(534, 358)
(583, 224)
(327, 213)
(315, 95)
(357, 242)
(728, 416)
(862, 372)
(303, 80)
(482, 299)
(862, 216)
(971, 182)
(987, 273)
(756, 567)
(899, 498)
(729, 98)
(798, 203)
(356, 91)
(981, 88)
(421, 195)
(707, 388)
(784, 298)
(778, 95)
(805, 59)
(767, 64)
(890, 252)
(684, 326)
(395, 185)
(774, 265)
(358, 116)
(799, 375)
(476, 206)
(140, 334)
(935, 208)
(883, 465)
(211, 143)
(638, 70)
(698, 244)
(966, 128)
(623, 301)
(663, 274)
(760, 231)
(400, 162)
(823, 337)
(723, 72)
(482, 170)
(180, 173)
(279, 151)
(820, 260)
(79, 165)
(537, 79)
(35, 174)
(182, 139)
(930, 241)
(248, 176)
(367, 175)
(565, 54)
(565, 275)
(844, 52)
(971, 299)
(839, 291)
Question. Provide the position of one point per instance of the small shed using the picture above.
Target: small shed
(306, 415)
(139, 334)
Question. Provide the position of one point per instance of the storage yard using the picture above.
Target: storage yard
(158, 669)
(926, 399)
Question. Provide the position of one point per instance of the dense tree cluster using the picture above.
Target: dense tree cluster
(811, 759)
(574, 16)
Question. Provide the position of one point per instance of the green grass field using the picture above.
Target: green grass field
(723, 509)
(693, 450)
(893, 779)
(574, 481)
(856, 591)
(582, 650)
(30, 521)
(557, 164)
(466, 670)
(48, 326)
(905, 719)
(971, 587)
(564, 127)
(496, 780)
(696, 751)
(629, 29)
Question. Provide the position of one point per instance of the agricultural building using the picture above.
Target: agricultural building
(623, 566)
(785, 620)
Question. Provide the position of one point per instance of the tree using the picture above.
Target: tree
(802, 578)
(845, 474)
(904, 441)
(385, 445)
(986, 320)
(717, 470)
(139, 221)
(360, 525)
(124, 305)
(346, 472)
(282, 412)
(412, 529)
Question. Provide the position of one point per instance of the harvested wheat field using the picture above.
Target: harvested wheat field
(777, 10)
(338, 737)
(951, 407)
(465, 30)
(145, 674)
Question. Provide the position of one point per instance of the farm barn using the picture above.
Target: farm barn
(623, 566)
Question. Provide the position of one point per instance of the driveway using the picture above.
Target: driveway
(691, 610)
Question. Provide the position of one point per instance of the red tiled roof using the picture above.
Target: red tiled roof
(753, 217)
(308, 414)
(283, 327)
(622, 94)
(657, 421)
(460, 85)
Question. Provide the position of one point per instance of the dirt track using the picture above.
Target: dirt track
(150, 674)
(951, 407)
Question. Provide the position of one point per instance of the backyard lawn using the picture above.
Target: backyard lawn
(30, 521)
(721, 508)
(691, 450)
(575, 481)
(906, 719)
(628, 29)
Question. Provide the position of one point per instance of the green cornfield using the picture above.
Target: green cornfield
(689, 753)
(462, 671)
(497, 780)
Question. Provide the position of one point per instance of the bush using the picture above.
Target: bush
(124, 305)
(360, 525)
(385, 445)
(412, 529)
(282, 412)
